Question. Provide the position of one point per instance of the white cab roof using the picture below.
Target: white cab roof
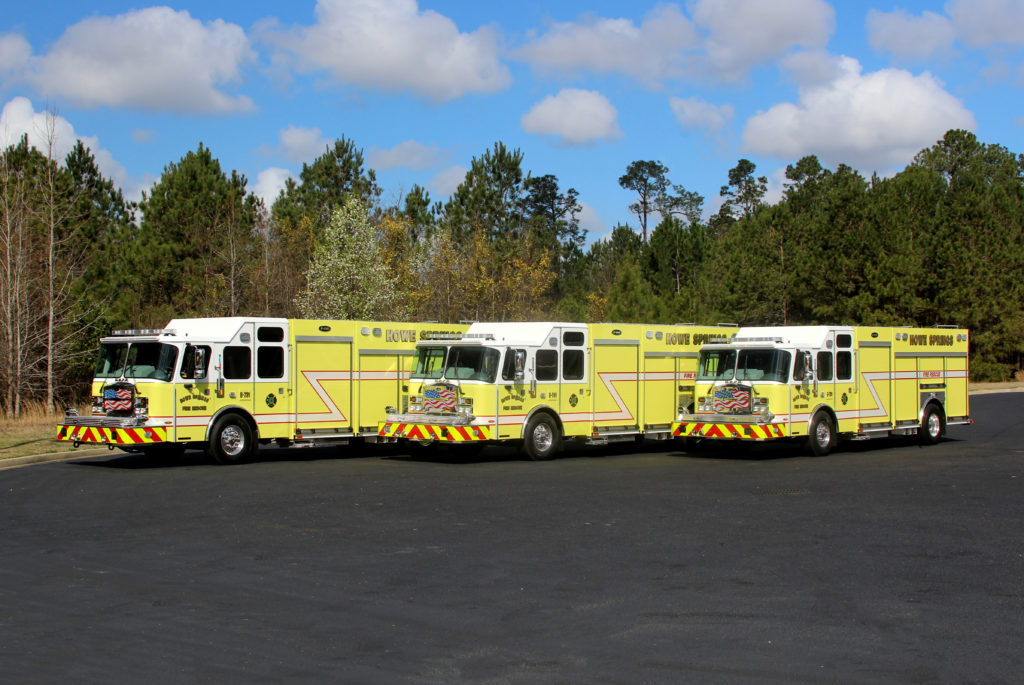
(215, 329)
(791, 336)
(528, 334)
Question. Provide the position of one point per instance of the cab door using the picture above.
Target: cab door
(847, 399)
(575, 396)
(233, 374)
(272, 387)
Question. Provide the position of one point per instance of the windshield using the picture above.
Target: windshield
(716, 365)
(137, 360)
(763, 365)
(111, 361)
(429, 362)
(744, 365)
(472, 363)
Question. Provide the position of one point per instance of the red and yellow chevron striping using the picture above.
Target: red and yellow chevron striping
(749, 431)
(421, 431)
(112, 436)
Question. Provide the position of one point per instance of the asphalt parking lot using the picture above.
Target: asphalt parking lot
(884, 562)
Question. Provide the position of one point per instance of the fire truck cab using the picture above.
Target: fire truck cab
(823, 383)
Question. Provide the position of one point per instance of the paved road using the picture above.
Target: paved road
(885, 562)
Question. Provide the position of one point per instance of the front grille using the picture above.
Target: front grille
(118, 400)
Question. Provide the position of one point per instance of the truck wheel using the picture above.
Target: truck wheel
(231, 441)
(542, 440)
(822, 435)
(933, 426)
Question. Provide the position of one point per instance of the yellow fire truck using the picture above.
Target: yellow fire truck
(542, 382)
(230, 383)
(823, 383)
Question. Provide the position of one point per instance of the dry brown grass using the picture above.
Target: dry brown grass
(34, 432)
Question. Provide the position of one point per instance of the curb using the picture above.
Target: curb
(990, 391)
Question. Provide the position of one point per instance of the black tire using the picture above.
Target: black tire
(822, 435)
(542, 439)
(933, 425)
(231, 441)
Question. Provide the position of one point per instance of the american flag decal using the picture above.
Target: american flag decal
(731, 398)
(117, 399)
(439, 398)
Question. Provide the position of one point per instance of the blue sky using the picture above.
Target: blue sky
(581, 88)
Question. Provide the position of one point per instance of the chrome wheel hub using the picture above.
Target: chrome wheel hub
(822, 434)
(232, 441)
(542, 437)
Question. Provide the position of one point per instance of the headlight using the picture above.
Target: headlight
(97, 405)
(142, 407)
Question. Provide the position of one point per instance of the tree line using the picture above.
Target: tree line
(940, 242)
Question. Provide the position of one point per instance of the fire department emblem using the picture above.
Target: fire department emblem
(573, 400)
(271, 400)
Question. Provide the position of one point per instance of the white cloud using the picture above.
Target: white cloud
(694, 114)
(573, 117)
(15, 52)
(143, 136)
(18, 117)
(395, 46)
(445, 182)
(592, 222)
(724, 39)
(776, 186)
(409, 155)
(984, 23)
(269, 184)
(650, 52)
(908, 36)
(873, 122)
(155, 58)
(743, 33)
(300, 144)
(812, 67)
